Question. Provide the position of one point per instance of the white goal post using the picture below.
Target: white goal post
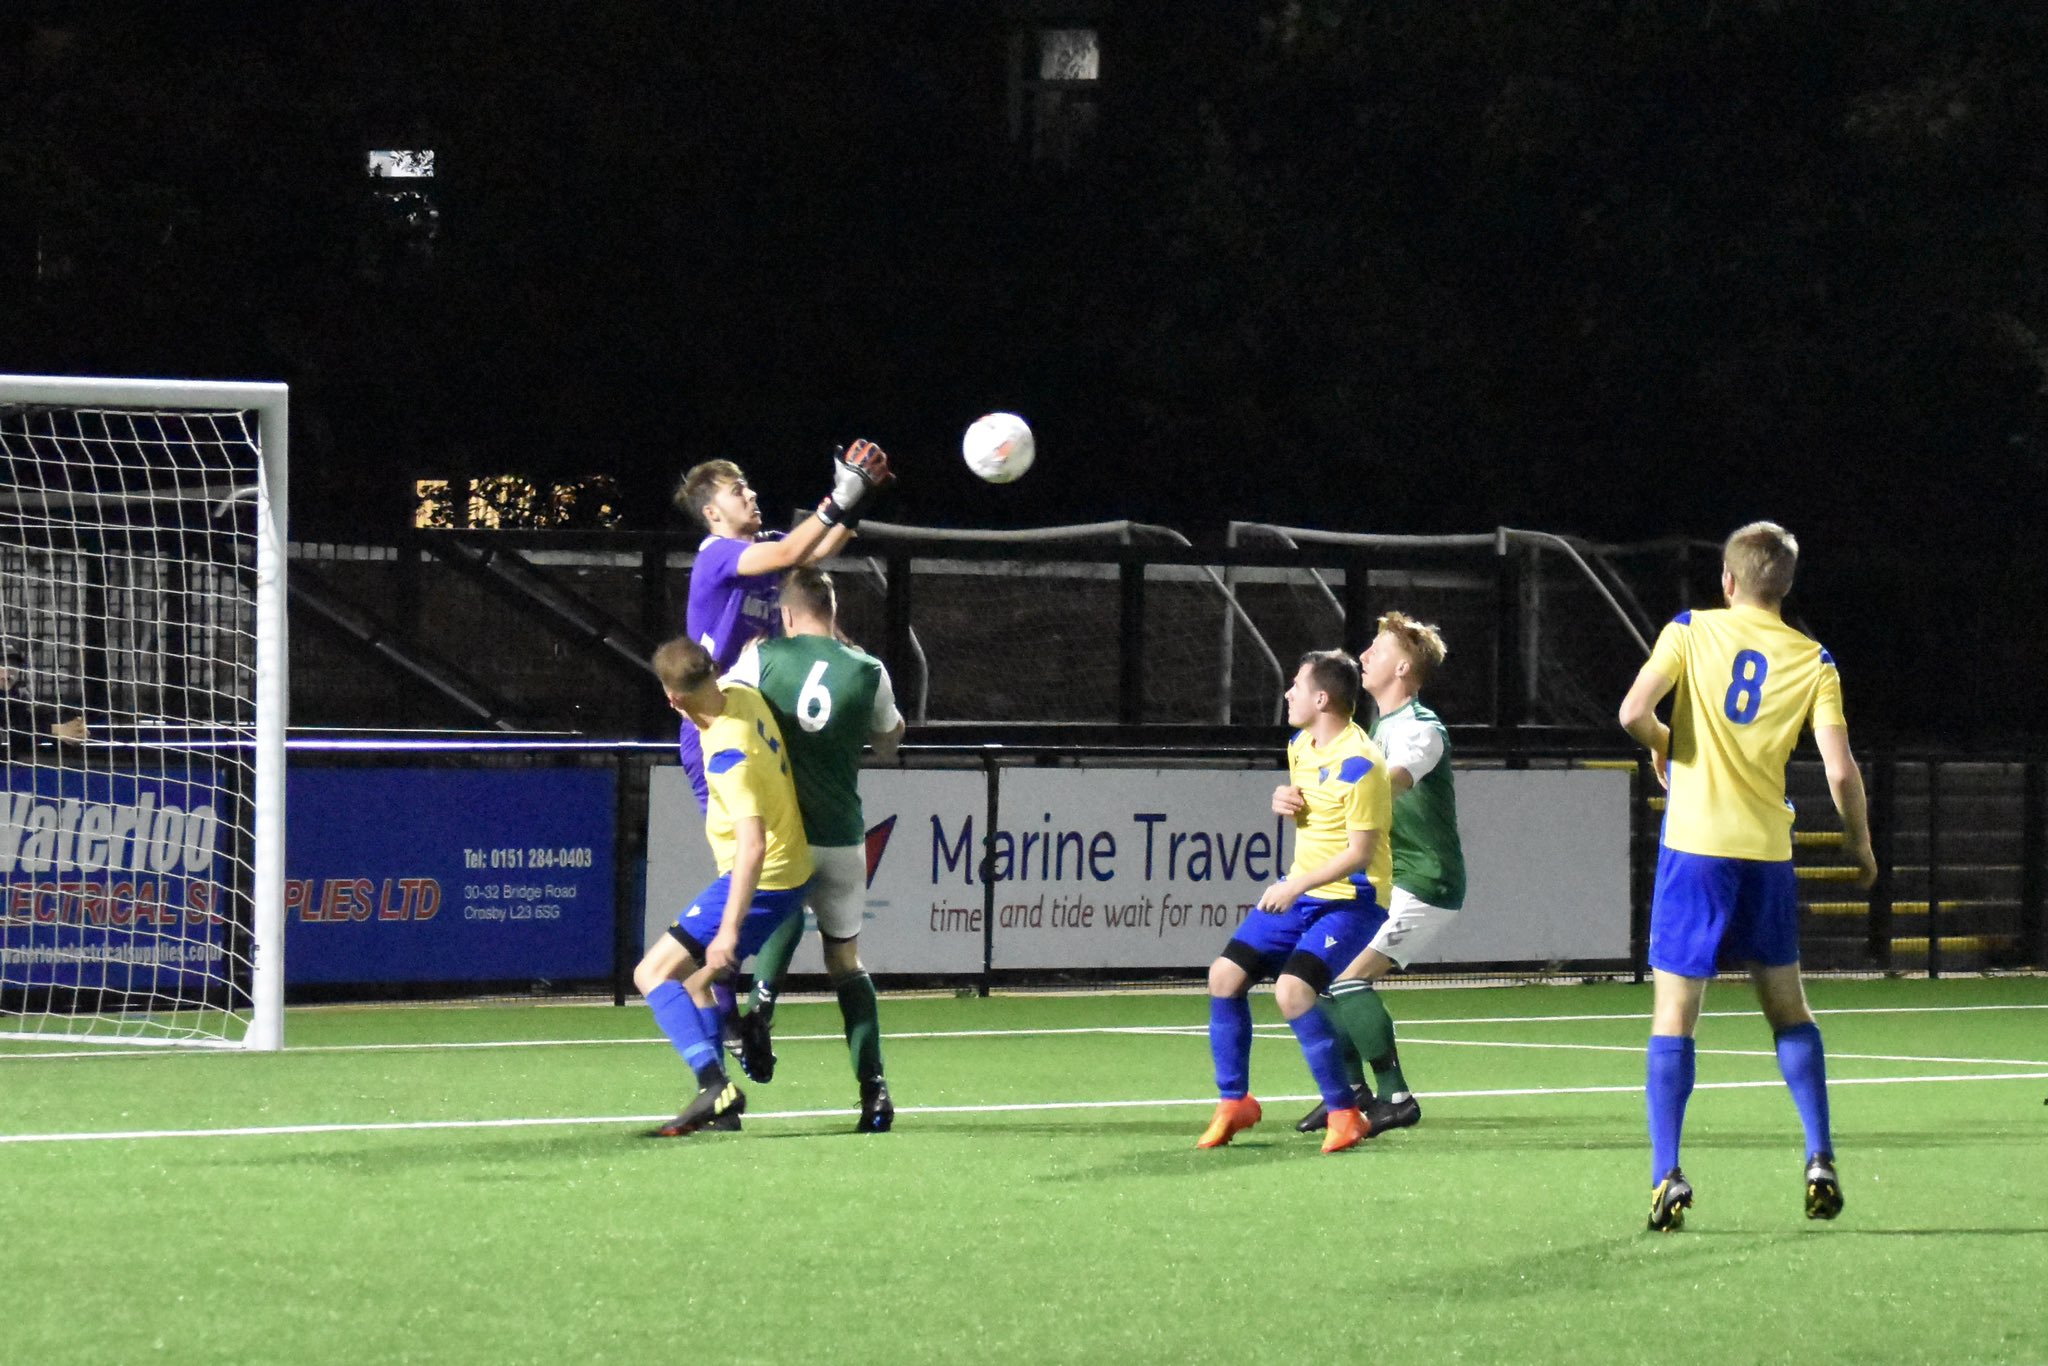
(144, 666)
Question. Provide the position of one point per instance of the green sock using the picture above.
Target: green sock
(1386, 1070)
(1347, 1051)
(771, 965)
(858, 1006)
(1363, 1020)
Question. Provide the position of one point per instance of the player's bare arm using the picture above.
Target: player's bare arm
(1639, 718)
(772, 557)
(1288, 801)
(1400, 779)
(1845, 785)
(750, 840)
(834, 540)
(809, 542)
(1357, 855)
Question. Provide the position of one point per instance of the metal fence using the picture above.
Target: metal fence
(1961, 860)
(1959, 843)
(1118, 625)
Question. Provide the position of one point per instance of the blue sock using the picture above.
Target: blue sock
(1670, 1086)
(1804, 1064)
(1325, 1060)
(1230, 1043)
(713, 1025)
(678, 1018)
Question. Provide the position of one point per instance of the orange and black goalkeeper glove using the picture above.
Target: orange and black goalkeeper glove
(858, 470)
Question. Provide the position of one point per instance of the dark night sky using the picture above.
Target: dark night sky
(1619, 269)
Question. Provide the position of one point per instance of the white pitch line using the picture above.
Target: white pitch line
(1750, 1013)
(1833, 1055)
(1190, 1029)
(1032, 1107)
(636, 1040)
(1266, 1033)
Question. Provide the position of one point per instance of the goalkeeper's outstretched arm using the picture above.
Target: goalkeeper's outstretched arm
(831, 543)
(805, 543)
(858, 471)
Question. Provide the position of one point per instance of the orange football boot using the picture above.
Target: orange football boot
(1348, 1129)
(1232, 1118)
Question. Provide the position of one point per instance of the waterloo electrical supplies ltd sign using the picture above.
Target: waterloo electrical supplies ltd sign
(111, 880)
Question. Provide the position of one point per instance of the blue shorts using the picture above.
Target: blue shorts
(697, 926)
(1334, 931)
(1709, 913)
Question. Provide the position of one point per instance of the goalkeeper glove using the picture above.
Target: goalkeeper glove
(857, 471)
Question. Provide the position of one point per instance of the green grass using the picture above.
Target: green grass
(1507, 1227)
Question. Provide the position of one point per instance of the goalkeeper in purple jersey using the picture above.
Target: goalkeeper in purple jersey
(734, 583)
(735, 580)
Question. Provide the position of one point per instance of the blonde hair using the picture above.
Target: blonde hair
(683, 666)
(1761, 558)
(702, 483)
(1421, 642)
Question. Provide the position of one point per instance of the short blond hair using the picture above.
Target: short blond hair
(1761, 558)
(702, 483)
(1421, 642)
(683, 666)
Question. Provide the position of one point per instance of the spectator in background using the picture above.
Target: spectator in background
(29, 721)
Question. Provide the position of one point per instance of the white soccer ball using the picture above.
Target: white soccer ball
(998, 447)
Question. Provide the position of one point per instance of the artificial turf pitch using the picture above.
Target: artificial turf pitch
(1041, 1198)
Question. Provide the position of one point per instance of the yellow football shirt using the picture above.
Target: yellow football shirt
(1345, 786)
(1747, 684)
(747, 769)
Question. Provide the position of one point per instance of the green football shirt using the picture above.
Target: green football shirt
(1429, 862)
(829, 698)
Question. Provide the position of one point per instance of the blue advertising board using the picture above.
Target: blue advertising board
(111, 880)
(447, 875)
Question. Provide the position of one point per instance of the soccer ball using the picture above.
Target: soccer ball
(998, 447)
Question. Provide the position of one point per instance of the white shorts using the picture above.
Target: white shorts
(1411, 924)
(839, 889)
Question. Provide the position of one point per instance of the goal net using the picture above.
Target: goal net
(142, 659)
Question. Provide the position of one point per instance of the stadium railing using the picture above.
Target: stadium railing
(1113, 624)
